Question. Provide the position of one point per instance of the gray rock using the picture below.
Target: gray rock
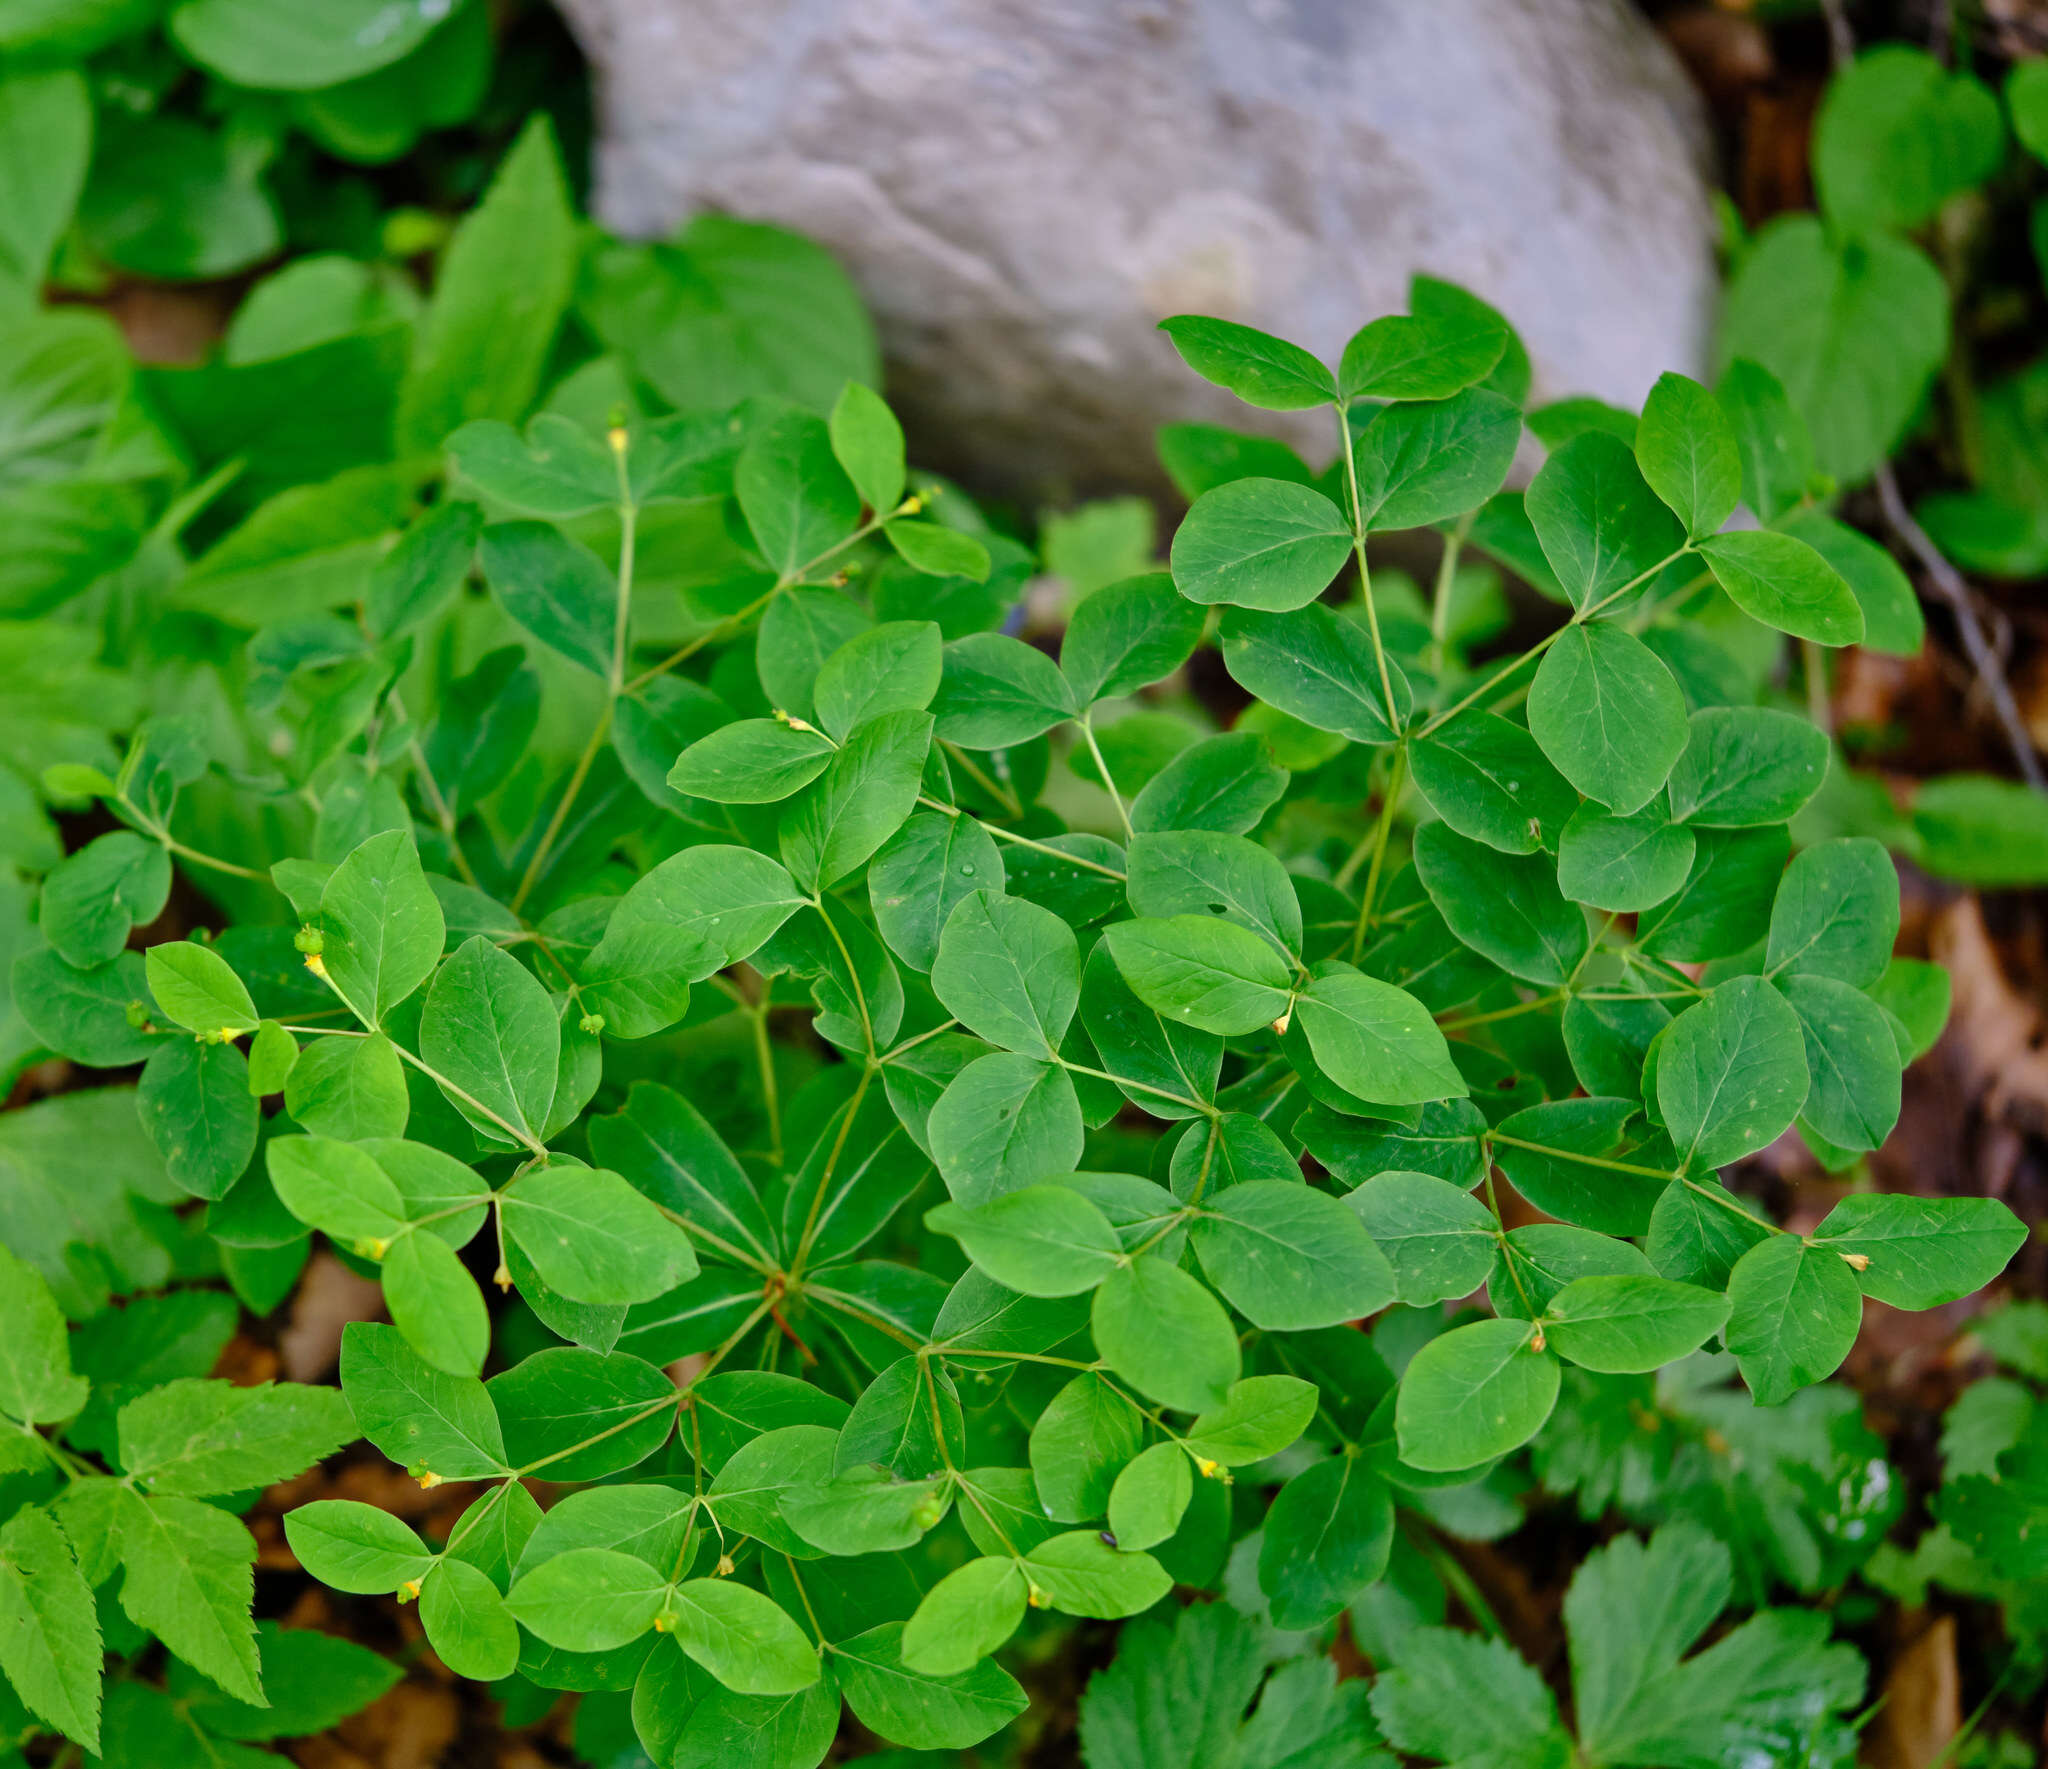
(1024, 188)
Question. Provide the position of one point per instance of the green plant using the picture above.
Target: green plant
(1992, 1500)
(866, 1331)
(1875, 315)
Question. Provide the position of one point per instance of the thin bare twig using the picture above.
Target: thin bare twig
(1956, 593)
(1841, 40)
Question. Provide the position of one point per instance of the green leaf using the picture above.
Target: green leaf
(1261, 370)
(420, 576)
(381, 925)
(1424, 356)
(468, 1623)
(1854, 328)
(1162, 1067)
(663, 1146)
(1487, 779)
(1003, 1122)
(1223, 783)
(589, 1599)
(1259, 543)
(1836, 913)
(1898, 135)
(336, 1187)
(1745, 766)
(1195, 871)
(1724, 906)
(742, 1638)
(499, 295)
(554, 587)
(863, 1511)
(1438, 1240)
(1853, 1058)
(1771, 439)
(1600, 526)
(1625, 1323)
(490, 1029)
(1971, 828)
(189, 1582)
(252, 46)
(1538, 1261)
(867, 441)
(1081, 1574)
(50, 1646)
(1082, 1440)
(760, 1473)
(1376, 1041)
(1578, 1160)
(796, 498)
(36, 1383)
(1507, 907)
(1785, 584)
(1921, 1252)
(593, 1238)
(916, 1708)
(198, 989)
(582, 1414)
(1623, 863)
(1040, 1240)
(355, 1547)
(1793, 1314)
(861, 799)
(1472, 1394)
(1732, 1074)
(1163, 1333)
(921, 873)
(1427, 461)
(195, 1104)
(1201, 972)
(1009, 971)
(996, 691)
(940, 552)
(1698, 1231)
(97, 896)
(1609, 714)
(1127, 636)
(894, 667)
(1151, 1495)
(435, 1303)
(751, 762)
(557, 470)
(1443, 1140)
(417, 1415)
(1463, 1698)
(193, 1437)
(1687, 450)
(46, 142)
(348, 1088)
(1317, 666)
(965, 1617)
(1916, 994)
(1326, 1538)
(82, 1014)
(1288, 1257)
(713, 906)
(1259, 1417)
(1892, 620)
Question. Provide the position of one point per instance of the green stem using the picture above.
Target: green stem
(1102, 767)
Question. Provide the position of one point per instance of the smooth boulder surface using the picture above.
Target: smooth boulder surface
(1024, 188)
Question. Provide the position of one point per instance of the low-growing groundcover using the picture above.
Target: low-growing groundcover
(856, 1201)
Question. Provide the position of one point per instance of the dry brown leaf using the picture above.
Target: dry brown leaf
(329, 1297)
(1995, 1033)
(1923, 1703)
